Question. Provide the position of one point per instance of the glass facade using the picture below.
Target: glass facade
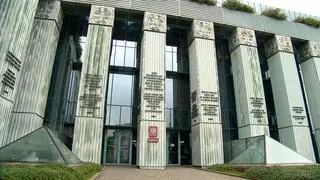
(65, 79)
(121, 102)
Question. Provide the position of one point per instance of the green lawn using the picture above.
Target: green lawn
(271, 173)
(49, 172)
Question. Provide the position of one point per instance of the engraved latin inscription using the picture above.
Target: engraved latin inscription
(153, 96)
(194, 109)
(210, 103)
(8, 81)
(91, 96)
(257, 110)
(298, 113)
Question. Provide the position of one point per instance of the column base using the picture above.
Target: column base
(207, 144)
(22, 124)
(253, 130)
(298, 138)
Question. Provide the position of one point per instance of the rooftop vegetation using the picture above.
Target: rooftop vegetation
(274, 13)
(308, 21)
(238, 6)
(207, 2)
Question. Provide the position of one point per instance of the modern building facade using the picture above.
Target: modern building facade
(157, 83)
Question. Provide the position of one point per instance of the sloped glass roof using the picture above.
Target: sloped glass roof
(39, 146)
(264, 150)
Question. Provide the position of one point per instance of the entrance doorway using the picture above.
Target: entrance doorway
(178, 148)
(118, 146)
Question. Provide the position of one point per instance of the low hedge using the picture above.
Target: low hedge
(207, 2)
(238, 6)
(274, 13)
(308, 21)
(50, 171)
(271, 173)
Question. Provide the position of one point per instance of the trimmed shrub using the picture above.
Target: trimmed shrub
(50, 171)
(207, 2)
(308, 21)
(238, 6)
(274, 13)
(221, 168)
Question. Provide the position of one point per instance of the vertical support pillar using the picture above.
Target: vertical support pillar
(206, 124)
(288, 100)
(249, 93)
(15, 57)
(89, 123)
(310, 67)
(151, 122)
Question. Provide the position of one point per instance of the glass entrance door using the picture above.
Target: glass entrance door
(118, 147)
(178, 148)
(173, 148)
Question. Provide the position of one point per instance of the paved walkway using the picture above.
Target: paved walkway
(171, 173)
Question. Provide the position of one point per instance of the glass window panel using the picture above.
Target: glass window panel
(114, 42)
(130, 57)
(168, 117)
(169, 48)
(125, 146)
(35, 147)
(121, 42)
(108, 115)
(174, 49)
(119, 56)
(126, 114)
(112, 146)
(122, 89)
(113, 51)
(115, 115)
(174, 62)
(169, 93)
(168, 61)
(131, 44)
(109, 88)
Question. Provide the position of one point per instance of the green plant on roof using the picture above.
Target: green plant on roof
(207, 2)
(308, 21)
(238, 6)
(275, 13)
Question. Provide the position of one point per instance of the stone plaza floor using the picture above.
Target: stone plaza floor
(170, 173)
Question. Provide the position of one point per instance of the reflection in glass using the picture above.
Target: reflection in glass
(120, 99)
(118, 146)
(123, 53)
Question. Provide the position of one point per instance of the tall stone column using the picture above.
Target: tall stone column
(310, 67)
(206, 124)
(28, 49)
(17, 19)
(288, 100)
(249, 94)
(151, 140)
(89, 123)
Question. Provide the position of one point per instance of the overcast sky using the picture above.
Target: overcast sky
(311, 7)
